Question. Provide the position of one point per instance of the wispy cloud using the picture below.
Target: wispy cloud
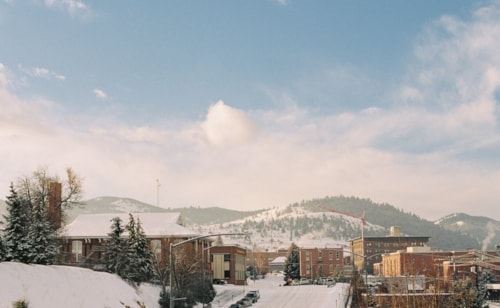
(100, 94)
(282, 2)
(73, 7)
(41, 72)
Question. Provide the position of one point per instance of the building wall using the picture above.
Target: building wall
(320, 262)
(229, 263)
(374, 247)
(89, 252)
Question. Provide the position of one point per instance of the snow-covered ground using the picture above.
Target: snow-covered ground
(63, 286)
(273, 294)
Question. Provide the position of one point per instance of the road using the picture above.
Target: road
(273, 294)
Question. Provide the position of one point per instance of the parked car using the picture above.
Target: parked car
(246, 302)
(304, 281)
(218, 281)
(253, 294)
(235, 306)
(252, 297)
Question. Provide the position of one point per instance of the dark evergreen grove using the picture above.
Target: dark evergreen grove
(129, 257)
(28, 236)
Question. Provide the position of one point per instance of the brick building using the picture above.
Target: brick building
(84, 239)
(321, 262)
(228, 263)
(372, 247)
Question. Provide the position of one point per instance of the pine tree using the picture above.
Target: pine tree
(16, 229)
(2, 249)
(292, 265)
(42, 248)
(144, 255)
(115, 256)
(140, 258)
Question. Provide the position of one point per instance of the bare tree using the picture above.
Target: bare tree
(50, 192)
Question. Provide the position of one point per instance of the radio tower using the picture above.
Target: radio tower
(158, 185)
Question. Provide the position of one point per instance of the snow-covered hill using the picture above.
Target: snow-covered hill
(277, 228)
(64, 286)
(484, 229)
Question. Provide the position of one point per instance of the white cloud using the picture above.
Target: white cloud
(4, 80)
(225, 125)
(100, 94)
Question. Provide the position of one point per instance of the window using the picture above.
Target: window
(77, 250)
(337, 255)
(330, 255)
(156, 249)
(308, 269)
(227, 257)
(320, 254)
(308, 255)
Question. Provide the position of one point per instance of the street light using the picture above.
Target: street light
(172, 246)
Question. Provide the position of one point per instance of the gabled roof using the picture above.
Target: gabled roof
(153, 224)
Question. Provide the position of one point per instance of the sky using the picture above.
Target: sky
(255, 104)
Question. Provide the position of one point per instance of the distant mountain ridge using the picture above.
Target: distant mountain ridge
(325, 221)
(484, 229)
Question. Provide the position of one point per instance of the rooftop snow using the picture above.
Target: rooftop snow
(153, 224)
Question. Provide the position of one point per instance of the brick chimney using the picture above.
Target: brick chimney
(54, 208)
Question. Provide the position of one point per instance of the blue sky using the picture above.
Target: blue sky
(254, 104)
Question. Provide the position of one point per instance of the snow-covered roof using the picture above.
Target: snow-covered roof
(153, 224)
(278, 260)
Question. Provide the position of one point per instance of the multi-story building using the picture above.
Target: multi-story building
(413, 261)
(321, 262)
(228, 263)
(368, 250)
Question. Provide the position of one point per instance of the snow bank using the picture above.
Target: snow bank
(64, 286)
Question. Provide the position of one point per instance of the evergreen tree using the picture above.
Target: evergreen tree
(292, 265)
(144, 255)
(16, 229)
(115, 255)
(2, 249)
(204, 291)
(40, 240)
(140, 258)
(480, 297)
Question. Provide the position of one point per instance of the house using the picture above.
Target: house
(84, 239)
